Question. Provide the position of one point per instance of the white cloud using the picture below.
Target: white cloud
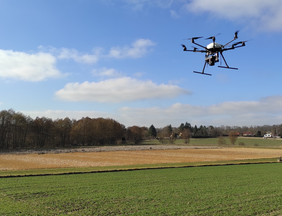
(139, 4)
(138, 74)
(55, 114)
(242, 113)
(137, 50)
(106, 72)
(263, 14)
(118, 90)
(265, 111)
(27, 67)
(174, 14)
(65, 53)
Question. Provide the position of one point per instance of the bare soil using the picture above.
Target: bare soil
(126, 155)
(103, 148)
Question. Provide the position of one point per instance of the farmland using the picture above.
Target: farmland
(253, 189)
(223, 190)
(119, 158)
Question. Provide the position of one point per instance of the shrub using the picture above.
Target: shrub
(221, 140)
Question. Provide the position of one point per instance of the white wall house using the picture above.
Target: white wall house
(267, 135)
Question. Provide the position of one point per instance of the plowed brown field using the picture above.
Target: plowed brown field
(116, 158)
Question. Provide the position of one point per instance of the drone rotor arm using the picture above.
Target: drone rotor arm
(200, 45)
(235, 38)
(236, 45)
(201, 51)
(194, 50)
(229, 42)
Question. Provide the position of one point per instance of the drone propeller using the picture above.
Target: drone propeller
(184, 47)
(213, 37)
(236, 34)
(240, 42)
(194, 38)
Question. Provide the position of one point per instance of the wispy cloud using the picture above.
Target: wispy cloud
(118, 90)
(261, 14)
(174, 14)
(137, 49)
(264, 15)
(138, 74)
(65, 53)
(106, 72)
(140, 4)
(28, 67)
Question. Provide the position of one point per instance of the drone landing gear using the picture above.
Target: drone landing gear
(203, 70)
(228, 67)
(202, 73)
(226, 63)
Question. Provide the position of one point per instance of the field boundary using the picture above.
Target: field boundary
(141, 168)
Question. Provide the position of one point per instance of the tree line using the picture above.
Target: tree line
(213, 131)
(20, 131)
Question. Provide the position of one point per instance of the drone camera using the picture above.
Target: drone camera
(210, 60)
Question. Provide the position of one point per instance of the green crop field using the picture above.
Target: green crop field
(215, 190)
(247, 142)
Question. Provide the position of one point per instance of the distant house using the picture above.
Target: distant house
(268, 135)
(248, 134)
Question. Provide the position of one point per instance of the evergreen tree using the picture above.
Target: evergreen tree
(181, 127)
(258, 134)
(169, 129)
(152, 131)
(195, 130)
(188, 126)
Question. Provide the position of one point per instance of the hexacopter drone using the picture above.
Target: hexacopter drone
(213, 50)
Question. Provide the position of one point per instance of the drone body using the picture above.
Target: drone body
(214, 46)
(214, 50)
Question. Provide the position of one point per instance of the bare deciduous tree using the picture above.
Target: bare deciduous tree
(233, 137)
(186, 135)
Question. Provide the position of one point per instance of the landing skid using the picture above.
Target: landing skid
(203, 70)
(202, 73)
(228, 67)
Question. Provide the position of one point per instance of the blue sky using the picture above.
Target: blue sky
(122, 59)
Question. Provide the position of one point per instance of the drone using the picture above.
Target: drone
(213, 50)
